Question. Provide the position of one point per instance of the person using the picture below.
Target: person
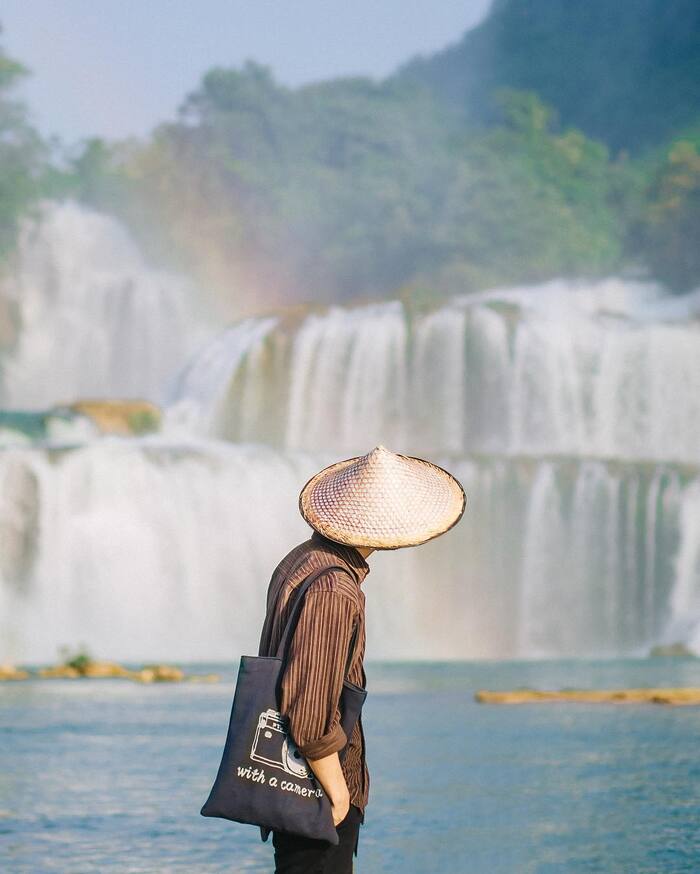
(378, 501)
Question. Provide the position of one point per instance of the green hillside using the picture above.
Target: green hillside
(626, 73)
(497, 161)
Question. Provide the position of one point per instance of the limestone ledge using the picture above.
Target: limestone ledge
(679, 697)
(118, 416)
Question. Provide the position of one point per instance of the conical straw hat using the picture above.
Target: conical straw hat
(383, 500)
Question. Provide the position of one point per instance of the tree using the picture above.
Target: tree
(22, 155)
(671, 221)
(527, 202)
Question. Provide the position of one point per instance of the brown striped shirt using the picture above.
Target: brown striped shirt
(313, 680)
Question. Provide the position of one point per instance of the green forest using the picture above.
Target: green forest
(555, 139)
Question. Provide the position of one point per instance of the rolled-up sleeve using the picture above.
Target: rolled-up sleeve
(313, 679)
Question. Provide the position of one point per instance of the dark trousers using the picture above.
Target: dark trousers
(297, 855)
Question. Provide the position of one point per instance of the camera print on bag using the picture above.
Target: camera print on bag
(272, 745)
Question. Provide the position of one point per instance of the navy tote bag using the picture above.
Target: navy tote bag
(263, 779)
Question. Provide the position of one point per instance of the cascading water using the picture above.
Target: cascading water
(197, 400)
(609, 371)
(92, 318)
(570, 413)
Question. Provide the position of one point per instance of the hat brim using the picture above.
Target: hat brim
(327, 524)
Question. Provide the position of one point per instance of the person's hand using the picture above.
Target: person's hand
(330, 776)
(340, 807)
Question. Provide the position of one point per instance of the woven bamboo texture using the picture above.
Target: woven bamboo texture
(382, 499)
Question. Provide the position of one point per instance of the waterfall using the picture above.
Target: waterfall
(140, 549)
(570, 412)
(557, 369)
(197, 400)
(149, 549)
(93, 319)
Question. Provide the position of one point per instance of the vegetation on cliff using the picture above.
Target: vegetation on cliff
(627, 74)
(23, 155)
(547, 142)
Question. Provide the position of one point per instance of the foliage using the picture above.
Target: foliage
(324, 192)
(79, 660)
(143, 421)
(527, 201)
(358, 189)
(351, 189)
(625, 73)
(22, 155)
(668, 228)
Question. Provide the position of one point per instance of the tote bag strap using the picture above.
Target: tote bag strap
(269, 616)
(286, 639)
(290, 627)
(351, 651)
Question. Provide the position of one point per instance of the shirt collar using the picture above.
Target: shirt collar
(350, 554)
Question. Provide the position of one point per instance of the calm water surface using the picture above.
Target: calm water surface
(109, 776)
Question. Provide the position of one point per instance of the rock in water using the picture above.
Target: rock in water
(672, 650)
(158, 674)
(104, 669)
(686, 696)
(10, 672)
(60, 672)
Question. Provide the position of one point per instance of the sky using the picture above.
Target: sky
(116, 68)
